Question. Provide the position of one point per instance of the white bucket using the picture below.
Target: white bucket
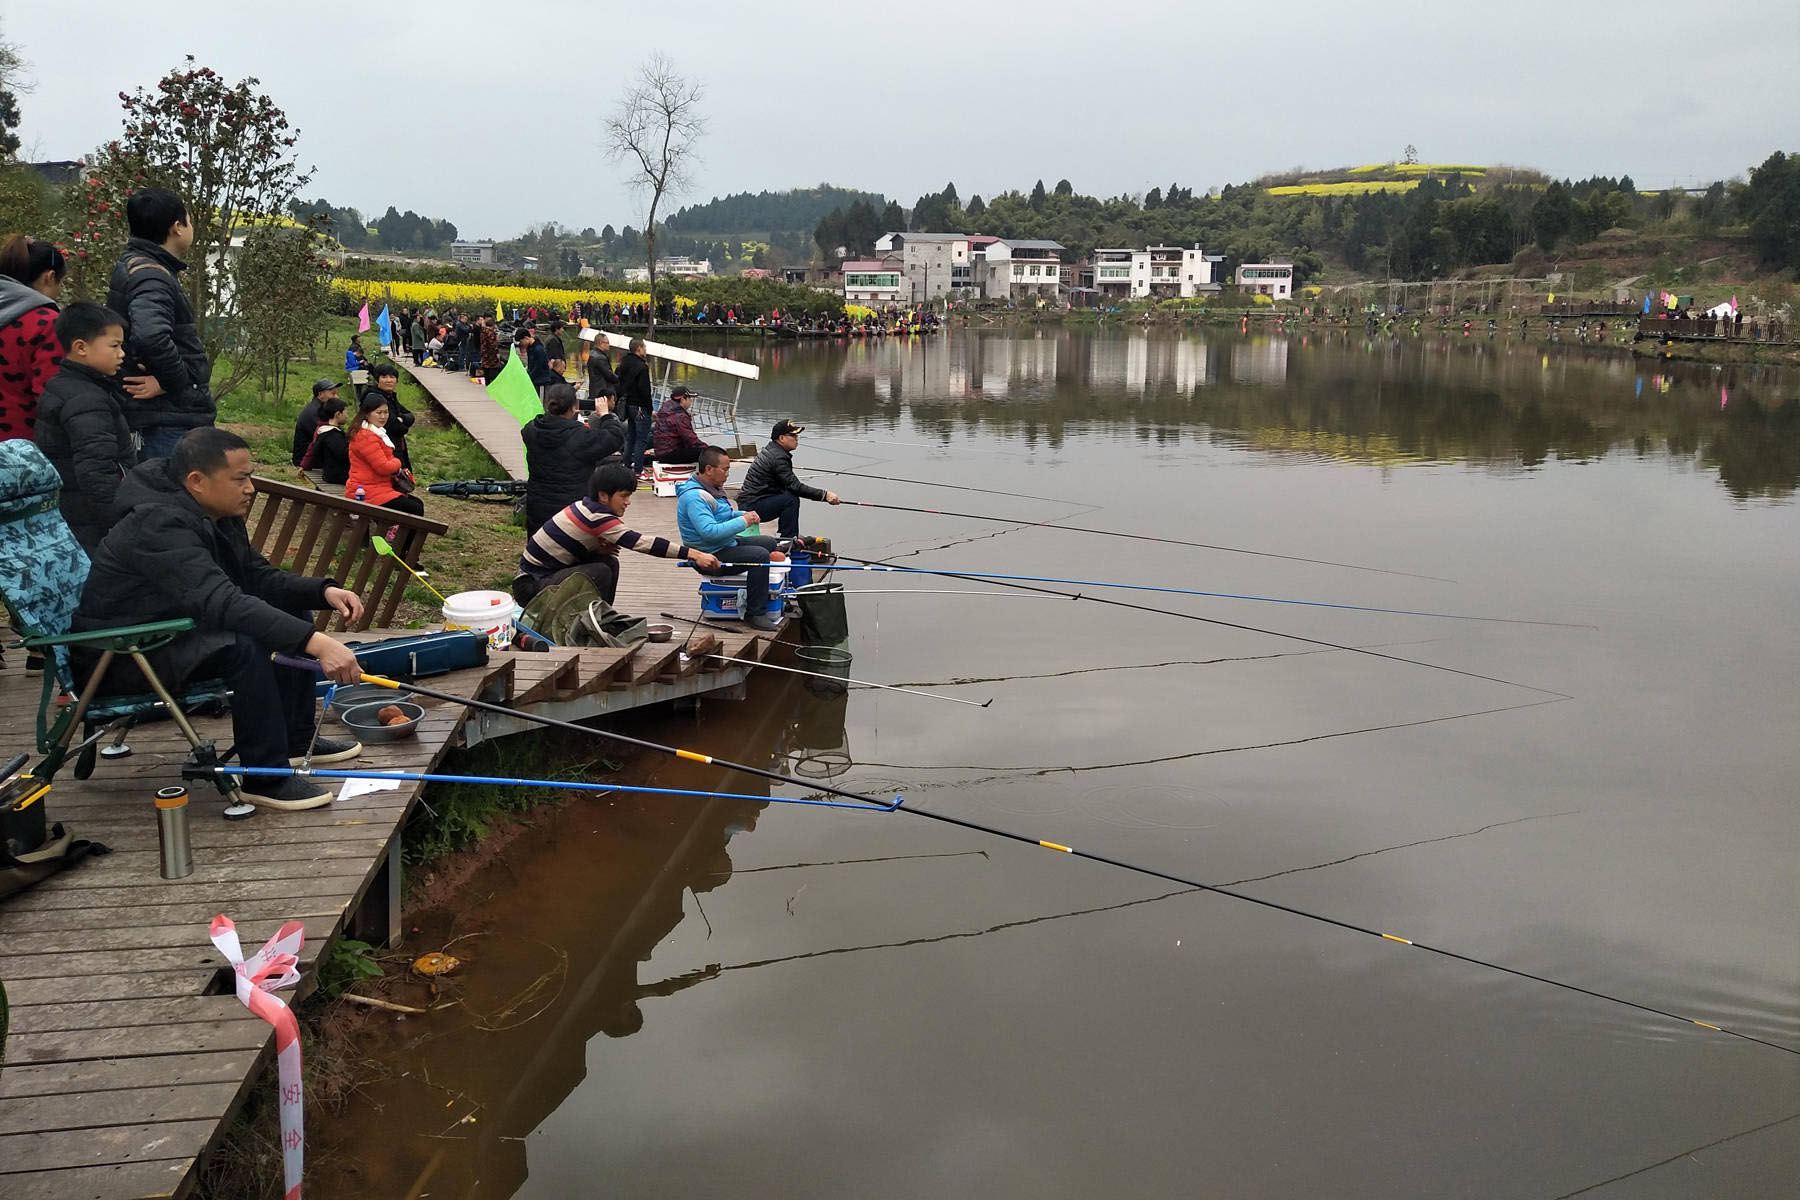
(482, 612)
(777, 576)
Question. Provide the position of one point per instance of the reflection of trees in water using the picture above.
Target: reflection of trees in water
(1756, 450)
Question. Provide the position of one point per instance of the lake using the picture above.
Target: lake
(748, 1000)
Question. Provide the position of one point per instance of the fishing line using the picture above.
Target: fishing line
(1310, 641)
(953, 487)
(866, 565)
(994, 831)
(1144, 537)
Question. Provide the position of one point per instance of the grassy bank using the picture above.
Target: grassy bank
(481, 548)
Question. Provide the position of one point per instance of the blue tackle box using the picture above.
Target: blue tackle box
(726, 600)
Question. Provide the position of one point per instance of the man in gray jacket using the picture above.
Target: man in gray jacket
(167, 373)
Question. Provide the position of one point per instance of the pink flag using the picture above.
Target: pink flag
(362, 318)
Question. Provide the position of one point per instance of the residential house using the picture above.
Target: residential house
(1275, 280)
(1159, 271)
(1019, 269)
(873, 282)
(473, 254)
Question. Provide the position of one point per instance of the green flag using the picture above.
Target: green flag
(513, 391)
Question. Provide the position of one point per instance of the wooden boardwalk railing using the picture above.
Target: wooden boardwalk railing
(310, 532)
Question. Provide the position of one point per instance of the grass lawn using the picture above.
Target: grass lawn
(481, 549)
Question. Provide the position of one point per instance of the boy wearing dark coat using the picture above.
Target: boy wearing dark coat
(81, 425)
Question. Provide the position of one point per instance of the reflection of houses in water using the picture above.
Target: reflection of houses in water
(1139, 362)
(1259, 360)
(948, 368)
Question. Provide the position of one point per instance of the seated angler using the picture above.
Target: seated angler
(709, 521)
(672, 437)
(772, 488)
(178, 548)
(585, 537)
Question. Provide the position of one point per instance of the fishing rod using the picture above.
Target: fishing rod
(886, 687)
(954, 487)
(1296, 637)
(898, 805)
(200, 772)
(1143, 537)
(1175, 591)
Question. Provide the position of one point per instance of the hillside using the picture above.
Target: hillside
(795, 211)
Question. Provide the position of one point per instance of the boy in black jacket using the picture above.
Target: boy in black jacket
(179, 549)
(81, 424)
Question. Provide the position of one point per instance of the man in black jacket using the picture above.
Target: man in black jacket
(602, 380)
(636, 398)
(307, 423)
(178, 548)
(81, 420)
(771, 488)
(561, 453)
(166, 370)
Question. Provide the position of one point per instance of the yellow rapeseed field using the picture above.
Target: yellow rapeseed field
(482, 297)
(1348, 188)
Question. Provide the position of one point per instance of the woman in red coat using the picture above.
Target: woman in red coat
(31, 275)
(373, 461)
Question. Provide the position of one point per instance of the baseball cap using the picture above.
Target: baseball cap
(323, 385)
(682, 391)
(783, 428)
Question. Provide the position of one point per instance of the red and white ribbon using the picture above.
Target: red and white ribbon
(276, 965)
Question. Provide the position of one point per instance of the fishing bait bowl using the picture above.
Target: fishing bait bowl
(357, 695)
(826, 661)
(366, 725)
(659, 632)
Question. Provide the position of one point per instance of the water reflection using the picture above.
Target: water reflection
(1501, 403)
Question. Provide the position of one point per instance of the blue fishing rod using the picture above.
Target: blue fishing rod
(862, 565)
(566, 785)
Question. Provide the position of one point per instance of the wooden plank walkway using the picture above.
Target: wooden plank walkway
(128, 1052)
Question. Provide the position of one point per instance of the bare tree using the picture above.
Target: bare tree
(654, 130)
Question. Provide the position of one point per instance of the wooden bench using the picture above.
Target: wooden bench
(312, 532)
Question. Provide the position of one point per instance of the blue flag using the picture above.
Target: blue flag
(387, 329)
(1646, 304)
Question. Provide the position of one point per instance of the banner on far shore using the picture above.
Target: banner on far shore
(514, 392)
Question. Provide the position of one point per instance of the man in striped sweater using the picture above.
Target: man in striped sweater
(585, 537)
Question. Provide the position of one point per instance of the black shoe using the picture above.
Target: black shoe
(327, 750)
(291, 794)
(34, 663)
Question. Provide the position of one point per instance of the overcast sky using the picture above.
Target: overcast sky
(488, 114)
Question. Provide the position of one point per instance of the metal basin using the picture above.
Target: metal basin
(366, 725)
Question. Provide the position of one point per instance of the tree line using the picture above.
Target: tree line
(793, 211)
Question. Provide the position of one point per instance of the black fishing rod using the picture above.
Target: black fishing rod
(898, 805)
(1143, 537)
(1187, 616)
(954, 487)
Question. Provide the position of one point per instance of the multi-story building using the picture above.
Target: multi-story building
(684, 267)
(1275, 280)
(1019, 269)
(935, 264)
(475, 254)
(874, 281)
(1161, 271)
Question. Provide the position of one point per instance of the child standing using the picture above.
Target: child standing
(81, 425)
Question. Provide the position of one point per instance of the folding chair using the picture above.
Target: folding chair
(42, 570)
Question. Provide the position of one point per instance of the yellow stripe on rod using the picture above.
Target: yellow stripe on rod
(1055, 846)
(1704, 1025)
(692, 757)
(378, 681)
(1393, 938)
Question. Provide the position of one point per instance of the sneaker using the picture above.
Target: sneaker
(764, 622)
(327, 750)
(292, 794)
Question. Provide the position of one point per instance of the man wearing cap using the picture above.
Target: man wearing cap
(673, 437)
(307, 423)
(772, 489)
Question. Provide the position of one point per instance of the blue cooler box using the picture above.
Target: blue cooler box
(726, 600)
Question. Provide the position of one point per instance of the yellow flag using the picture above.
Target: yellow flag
(1553, 297)
(498, 315)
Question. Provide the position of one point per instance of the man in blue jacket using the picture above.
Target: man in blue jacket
(709, 521)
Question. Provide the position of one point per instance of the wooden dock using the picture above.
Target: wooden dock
(129, 1052)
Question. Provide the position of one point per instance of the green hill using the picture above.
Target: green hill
(795, 211)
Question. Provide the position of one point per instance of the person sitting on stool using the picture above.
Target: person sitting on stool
(772, 488)
(584, 539)
(672, 437)
(709, 521)
(179, 549)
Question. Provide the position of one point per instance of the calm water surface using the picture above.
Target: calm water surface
(775, 1001)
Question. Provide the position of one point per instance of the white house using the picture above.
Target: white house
(1267, 279)
(472, 253)
(933, 263)
(1155, 271)
(684, 267)
(872, 281)
(1019, 269)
